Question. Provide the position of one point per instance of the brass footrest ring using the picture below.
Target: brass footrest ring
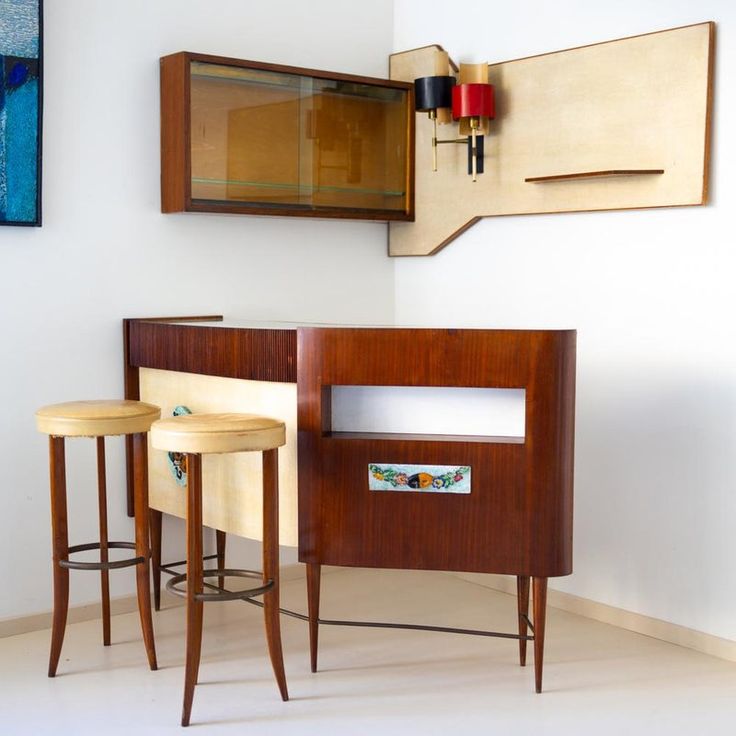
(222, 595)
(110, 565)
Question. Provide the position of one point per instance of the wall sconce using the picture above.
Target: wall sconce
(433, 95)
(471, 102)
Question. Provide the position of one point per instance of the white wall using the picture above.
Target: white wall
(105, 252)
(650, 292)
(652, 296)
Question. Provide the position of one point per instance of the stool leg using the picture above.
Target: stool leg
(104, 557)
(522, 603)
(60, 547)
(221, 541)
(540, 612)
(142, 543)
(271, 565)
(313, 585)
(194, 582)
(156, 521)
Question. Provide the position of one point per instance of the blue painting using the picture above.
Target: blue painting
(20, 111)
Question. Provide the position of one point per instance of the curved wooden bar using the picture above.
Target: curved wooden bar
(517, 517)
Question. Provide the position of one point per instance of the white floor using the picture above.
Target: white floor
(598, 679)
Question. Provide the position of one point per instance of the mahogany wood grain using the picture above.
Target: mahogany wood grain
(540, 615)
(156, 524)
(60, 548)
(142, 543)
(195, 607)
(60, 543)
(254, 354)
(313, 590)
(176, 176)
(518, 518)
(104, 556)
(131, 386)
(522, 603)
(188, 57)
(195, 580)
(333, 213)
(271, 566)
(131, 389)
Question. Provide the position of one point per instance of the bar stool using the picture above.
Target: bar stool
(98, 419)
(202, 434)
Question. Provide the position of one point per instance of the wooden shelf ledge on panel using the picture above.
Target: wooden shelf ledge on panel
(593, 175)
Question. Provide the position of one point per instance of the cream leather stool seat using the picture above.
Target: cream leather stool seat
(98, 419)
(200, 434)
(218, 433)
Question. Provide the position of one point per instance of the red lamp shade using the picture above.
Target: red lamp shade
(473, 100)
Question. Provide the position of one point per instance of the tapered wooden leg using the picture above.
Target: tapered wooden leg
(540, 612)
(156, 522)
(142, 543)
(313, 585)
(60, 548)
(220, 541)
(129, 470)
(104, 556)
(195, 608)
(271, 565)
(522, 602)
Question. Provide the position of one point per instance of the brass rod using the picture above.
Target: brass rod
(475, 155)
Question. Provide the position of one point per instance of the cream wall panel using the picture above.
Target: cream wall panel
(231, 483)
(634, 103)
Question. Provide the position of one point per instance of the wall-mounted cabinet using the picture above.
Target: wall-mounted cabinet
(252, 138)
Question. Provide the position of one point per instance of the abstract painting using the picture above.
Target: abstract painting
(20, 111)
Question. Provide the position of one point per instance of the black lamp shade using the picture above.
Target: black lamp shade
(431, 93)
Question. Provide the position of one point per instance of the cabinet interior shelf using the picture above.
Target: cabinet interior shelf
(296, 186)
(413, 437)
(593, 175)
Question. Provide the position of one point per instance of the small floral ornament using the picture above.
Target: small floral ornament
(449, 479)
(177, 461)
(422, 480)
(388, 474)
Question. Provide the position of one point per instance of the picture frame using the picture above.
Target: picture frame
(21, 108)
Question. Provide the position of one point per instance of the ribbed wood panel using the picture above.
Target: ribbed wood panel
(250, 353)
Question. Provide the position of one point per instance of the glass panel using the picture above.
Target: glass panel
(266, 138)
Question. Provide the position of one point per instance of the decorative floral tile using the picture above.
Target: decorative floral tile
(178, 460)
(422, 478)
